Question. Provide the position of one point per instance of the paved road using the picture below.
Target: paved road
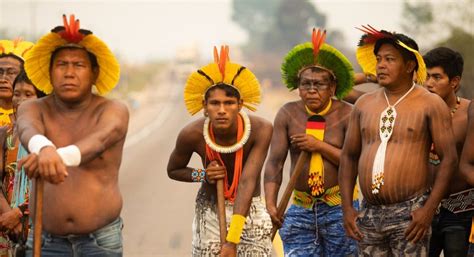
(158, 211)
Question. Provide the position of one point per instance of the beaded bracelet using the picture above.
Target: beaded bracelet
(198, 175)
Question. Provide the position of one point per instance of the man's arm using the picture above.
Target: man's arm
(179, 158)
(274, 167)
(359, 78)
(348, 171)
(466, 165)
(184, 149)
(440, 126)
(252, 168)
(111, 128)
(250, 174)
(29, 121)
(4, 206)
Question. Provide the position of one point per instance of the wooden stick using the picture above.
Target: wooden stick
(290, 187)
(221, 210)
(38, 219)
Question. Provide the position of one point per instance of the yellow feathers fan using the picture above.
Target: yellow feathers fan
(221, 71)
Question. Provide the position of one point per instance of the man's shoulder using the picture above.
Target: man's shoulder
(464, 104)
(342, 106)
(193, 128)
(37, 104)
(292, 107)
(368, 98)
(110, 103)
(426, 98)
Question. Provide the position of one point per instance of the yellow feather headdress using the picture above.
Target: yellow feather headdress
(17, 48)
(367, 59)
(221, 71)
(70, 35)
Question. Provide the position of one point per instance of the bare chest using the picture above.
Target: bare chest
(64, 129)
(334, 127)
(460, 129)
(404, 123)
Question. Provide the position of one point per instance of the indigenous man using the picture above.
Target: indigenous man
(313, 224)
(451, 227)
(232, 146)
(15, 185)
(387, 145)
(76, 139)
(466, 165)
(11, 63)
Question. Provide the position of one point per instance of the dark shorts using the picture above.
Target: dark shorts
(383, 228)
(104, 242)
(450, 233)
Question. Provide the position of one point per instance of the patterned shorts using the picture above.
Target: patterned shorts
(316, 232)
(383, 228)
(254, 242)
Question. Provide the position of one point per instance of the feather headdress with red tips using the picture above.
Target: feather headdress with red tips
(221, 71)
(70, 35)
(71, 31)
(318, 54)
(366, 56)
(16, 48)
(371, 35)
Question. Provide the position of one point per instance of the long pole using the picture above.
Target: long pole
(290, 187)
(221, 210)
(38, 219)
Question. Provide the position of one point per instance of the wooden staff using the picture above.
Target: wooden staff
(221, 210)
(290, 187)
(38, 219)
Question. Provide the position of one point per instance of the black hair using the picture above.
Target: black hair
(446, 58)
(392, 40)
(92, 57)
(230, 91)
(23, 78)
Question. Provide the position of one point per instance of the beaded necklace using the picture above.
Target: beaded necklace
(387, 123)
(228, 149)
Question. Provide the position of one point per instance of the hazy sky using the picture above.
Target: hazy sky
(142, 30)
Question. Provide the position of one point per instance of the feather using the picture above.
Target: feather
(216, 55)
(221, 71)
(317, 40)
(222, 61)
(71, 32)
(227, 53)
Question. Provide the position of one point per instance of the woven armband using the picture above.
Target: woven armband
(198, 175)
(237, 223)
(71, 155)
(37, 142)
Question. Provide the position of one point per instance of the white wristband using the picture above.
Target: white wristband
(37, 142)
(71, 155)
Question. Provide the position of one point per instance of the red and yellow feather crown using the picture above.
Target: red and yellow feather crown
(221, 71)
(71, 35)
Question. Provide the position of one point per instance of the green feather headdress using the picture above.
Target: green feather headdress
(318, 54)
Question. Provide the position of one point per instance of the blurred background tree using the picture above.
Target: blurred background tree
(273, 28)
(432, 31)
